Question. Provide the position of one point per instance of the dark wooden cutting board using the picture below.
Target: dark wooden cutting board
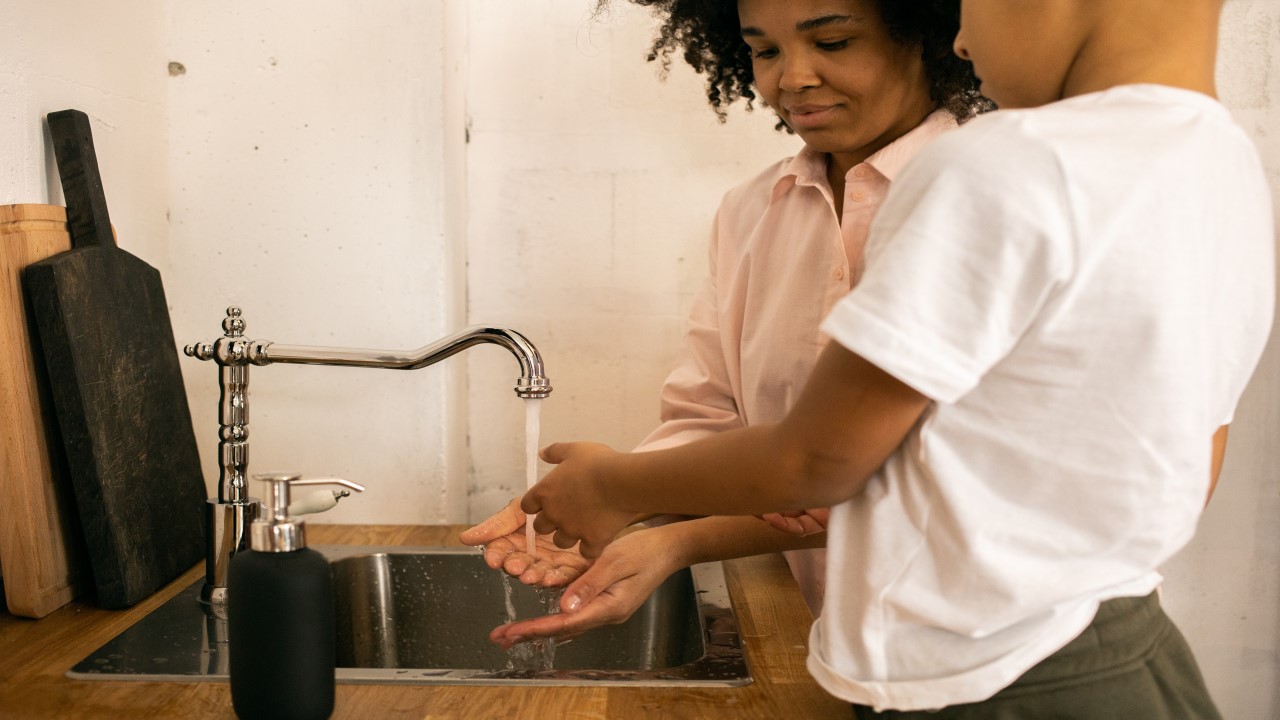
(108, 346)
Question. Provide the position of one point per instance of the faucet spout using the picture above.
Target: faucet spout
(230, 514)
(532, 382)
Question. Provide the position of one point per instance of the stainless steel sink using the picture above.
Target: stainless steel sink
(422, 616)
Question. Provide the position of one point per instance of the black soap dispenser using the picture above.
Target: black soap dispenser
(280, 615)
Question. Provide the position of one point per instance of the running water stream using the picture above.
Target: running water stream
(532, 422)
(534, 655)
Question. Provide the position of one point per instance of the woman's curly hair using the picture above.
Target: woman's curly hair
(706, 33)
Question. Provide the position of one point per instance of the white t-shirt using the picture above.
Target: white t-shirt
(1083, 289)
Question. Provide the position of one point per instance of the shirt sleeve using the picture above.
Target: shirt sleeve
(972, 241)
(697, 398)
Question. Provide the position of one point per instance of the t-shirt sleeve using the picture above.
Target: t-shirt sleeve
(972, 242)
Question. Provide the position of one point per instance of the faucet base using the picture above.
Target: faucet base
(226, 533)
(216, 598)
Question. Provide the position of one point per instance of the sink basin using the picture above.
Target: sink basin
(422, 616)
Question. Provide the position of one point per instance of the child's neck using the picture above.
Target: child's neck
(1177, 47)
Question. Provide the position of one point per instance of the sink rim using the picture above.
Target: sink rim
(723, 663)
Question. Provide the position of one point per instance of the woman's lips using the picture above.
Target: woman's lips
(810, 116)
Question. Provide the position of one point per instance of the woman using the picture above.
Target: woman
(865, 84)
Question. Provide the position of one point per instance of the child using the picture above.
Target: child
(1018, 414)
(865, 85)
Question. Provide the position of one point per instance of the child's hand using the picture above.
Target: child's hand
(503, 537)
(800, 522)
(572, 501)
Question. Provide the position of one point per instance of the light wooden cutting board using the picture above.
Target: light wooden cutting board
(42, 557)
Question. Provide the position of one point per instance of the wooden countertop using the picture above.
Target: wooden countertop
(773, 621)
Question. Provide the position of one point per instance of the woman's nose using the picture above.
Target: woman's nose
(959, 47)
(798, 73)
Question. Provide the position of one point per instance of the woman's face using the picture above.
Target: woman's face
(831, 71)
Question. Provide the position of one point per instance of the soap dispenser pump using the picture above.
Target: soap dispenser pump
(280, 614)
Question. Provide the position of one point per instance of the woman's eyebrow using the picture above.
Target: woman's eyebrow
(810, 24)
(825, 20)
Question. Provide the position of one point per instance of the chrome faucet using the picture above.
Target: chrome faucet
(229, 515)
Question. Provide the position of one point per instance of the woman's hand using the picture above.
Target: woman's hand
(506, 548)
(608, 593)
(800, 522)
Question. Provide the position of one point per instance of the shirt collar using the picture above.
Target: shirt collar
(890, 159)
(809, 167)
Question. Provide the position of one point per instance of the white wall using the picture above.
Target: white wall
(109, 62)
(308, 186)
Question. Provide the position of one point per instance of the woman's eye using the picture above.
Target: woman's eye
(763, 53)
(833, 44)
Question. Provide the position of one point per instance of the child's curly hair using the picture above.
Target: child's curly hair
(708, 36)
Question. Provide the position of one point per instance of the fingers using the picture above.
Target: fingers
(564, 540)
(777, 521)
(541, 627)
(554, 576)
(591, 548)
(793, 525)
(504, 522)
(578, 594)
(519, 564)
(497, 552)
(606, 574)
(591, 616)
(608, 592)
(531, 504)
(821, 516)
(560, 537)
(808, 525)
(801, 522)
(554, 453)
(543, 524)
(567, 503)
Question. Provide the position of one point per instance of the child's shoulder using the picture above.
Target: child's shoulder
(1112, 115)
(1121, 121)
(1005, 144)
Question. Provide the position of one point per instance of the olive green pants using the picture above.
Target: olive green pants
(1131, 663)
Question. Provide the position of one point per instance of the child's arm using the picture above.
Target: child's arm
(1219, 452)
(848, 420)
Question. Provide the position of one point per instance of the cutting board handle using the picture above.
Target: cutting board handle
(87, 218)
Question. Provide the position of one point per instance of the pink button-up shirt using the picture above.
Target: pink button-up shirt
(779, 261)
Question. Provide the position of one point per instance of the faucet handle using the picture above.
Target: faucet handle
(199, 351)
(232, 348)
(278, 492)
(233, 324)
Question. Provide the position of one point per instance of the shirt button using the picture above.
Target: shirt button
(857, 196)
(859, 171)
(838, 274)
